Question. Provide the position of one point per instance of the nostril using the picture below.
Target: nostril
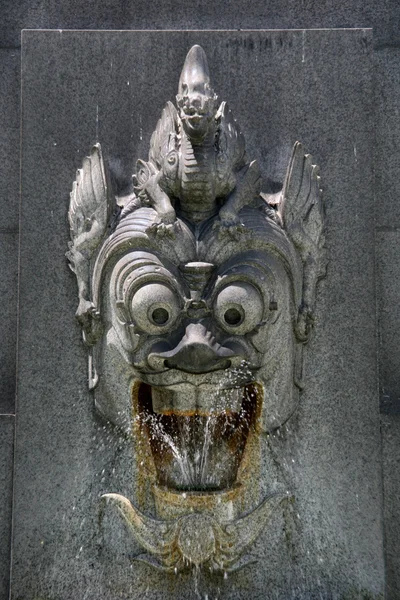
(197, 352)
(196, 102)
(170, 364)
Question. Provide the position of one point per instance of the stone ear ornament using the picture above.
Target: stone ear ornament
(196, 296)
(301, 212)
(90, 210)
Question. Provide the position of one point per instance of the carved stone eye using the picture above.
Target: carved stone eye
(233, 316)
(239, 307)
(160, 316)
(155, 308)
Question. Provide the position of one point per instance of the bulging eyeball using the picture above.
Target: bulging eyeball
(239, 308)
(155, 308)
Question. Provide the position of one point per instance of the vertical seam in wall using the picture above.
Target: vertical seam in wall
(17, 340)
(377, 322)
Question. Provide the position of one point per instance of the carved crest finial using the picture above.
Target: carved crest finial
(195, 75)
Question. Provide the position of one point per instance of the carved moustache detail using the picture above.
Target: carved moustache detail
(195, 539)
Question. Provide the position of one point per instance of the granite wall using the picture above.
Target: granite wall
(384, 18)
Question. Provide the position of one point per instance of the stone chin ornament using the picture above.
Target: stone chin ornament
(196, 296)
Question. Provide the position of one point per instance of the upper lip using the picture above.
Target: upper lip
(224, 378)
(196, 118)
(197, 358)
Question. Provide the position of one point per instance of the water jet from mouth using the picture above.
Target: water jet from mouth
(198, 452)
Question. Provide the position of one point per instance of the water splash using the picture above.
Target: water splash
(195, 452)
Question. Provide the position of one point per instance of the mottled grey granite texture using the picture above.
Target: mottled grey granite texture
(391, 486)
(387, 137)
(6, 472)
(8, 321)
(388, 224)
(388, 310)
(9, 202)
(384, 16)
(388, 297)
(388, 302)
(10, 136)
(313, 86)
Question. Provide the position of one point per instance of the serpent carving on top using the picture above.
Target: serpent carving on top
(197, 163)
(196, 296)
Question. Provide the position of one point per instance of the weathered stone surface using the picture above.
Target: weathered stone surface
(388, 310)
(391, 485)
(274, 14)
(6, 471)
(10, 136)
(9, 202)
(387, 135)
(283, 86)
(8, 321)
(218, 320)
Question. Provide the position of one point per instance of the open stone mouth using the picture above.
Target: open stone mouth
(198, 450)
(202, 465)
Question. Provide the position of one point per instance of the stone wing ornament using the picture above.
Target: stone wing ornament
(90, 210)
(301, 211)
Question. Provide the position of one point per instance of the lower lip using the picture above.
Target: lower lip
(223, 504)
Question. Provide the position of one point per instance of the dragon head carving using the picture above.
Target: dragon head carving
(196, 100)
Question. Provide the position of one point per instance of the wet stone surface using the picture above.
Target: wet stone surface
(81, 87)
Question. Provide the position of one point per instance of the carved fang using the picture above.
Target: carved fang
(155, 536)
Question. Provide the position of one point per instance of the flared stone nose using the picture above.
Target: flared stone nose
(197, 352)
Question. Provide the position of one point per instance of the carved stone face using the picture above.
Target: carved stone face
(195, 309)
(199, 335)
(186, 341)
(196, 110)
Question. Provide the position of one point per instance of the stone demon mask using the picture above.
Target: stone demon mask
(197, 302)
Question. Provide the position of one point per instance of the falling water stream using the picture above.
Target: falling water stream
(202, 452)
(199, 452)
